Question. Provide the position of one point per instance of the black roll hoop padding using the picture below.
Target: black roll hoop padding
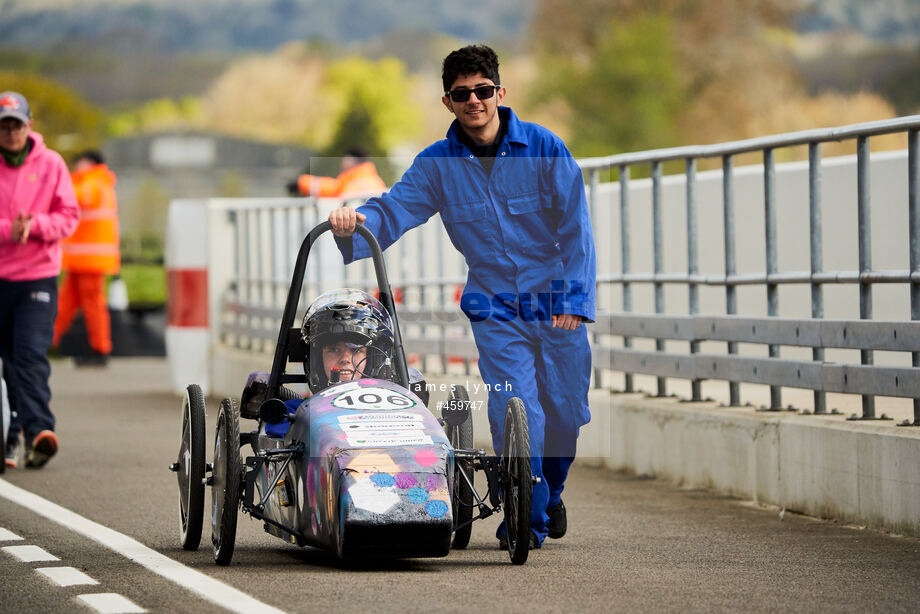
(455, 411)
(279, 363)
(273, 411)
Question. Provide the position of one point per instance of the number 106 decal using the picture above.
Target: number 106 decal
(372, 398)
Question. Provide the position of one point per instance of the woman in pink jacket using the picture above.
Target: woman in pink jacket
(38, 209)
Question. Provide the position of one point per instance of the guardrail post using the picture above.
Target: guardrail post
(913, 197)
(624, 258)
(234, 219)
(769, 199)
(728, 223)
(301, 235)
(247, 273)
(442, 300)
(318, 261)
(817, 259)
(260, 270)
(865, 256)
(272, 269)
(593, 180)
(692, 265)
(420, 257)
(658, 258)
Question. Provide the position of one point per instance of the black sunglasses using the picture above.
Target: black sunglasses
(462, 94)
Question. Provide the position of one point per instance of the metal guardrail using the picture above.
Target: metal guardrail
(771, 278)
(266, 236)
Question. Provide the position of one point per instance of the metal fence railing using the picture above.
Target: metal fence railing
(864, 379)
(265, 237)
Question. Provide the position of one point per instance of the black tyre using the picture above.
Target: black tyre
(191, 468)
(226, 481)
(517, 489)
(462, 501)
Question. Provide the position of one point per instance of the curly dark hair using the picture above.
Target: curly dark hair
(469, 61)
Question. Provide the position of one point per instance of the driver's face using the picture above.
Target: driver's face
(348, 360)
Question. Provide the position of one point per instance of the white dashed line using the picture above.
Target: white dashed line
(201, 584)
(66, 576)
(29, 554)
(110, 603)
(8, 536)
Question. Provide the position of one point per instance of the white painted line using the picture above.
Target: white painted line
(201, 584)
(29, 554)
(110, 603)
(66, 576)
(8, 536)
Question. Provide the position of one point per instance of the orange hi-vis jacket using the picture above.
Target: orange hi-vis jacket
(93, 247)
(360, 179)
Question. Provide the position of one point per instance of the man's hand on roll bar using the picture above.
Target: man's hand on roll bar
(343, 221)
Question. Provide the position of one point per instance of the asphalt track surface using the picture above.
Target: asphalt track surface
(634, 544)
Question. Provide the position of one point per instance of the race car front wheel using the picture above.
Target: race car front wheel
(190, 468)
(517, 486)
(226, 481)
(461, 438)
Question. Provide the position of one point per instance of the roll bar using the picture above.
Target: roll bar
(279, 363)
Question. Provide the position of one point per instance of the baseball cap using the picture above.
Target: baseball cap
(15, 105)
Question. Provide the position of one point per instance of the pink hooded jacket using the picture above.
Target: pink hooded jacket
(42, 187)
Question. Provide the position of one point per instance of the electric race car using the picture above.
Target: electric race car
(360, 468)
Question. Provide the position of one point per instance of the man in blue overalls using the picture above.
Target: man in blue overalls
(513, 202)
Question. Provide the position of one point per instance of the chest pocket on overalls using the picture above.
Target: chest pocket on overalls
(464, 224)
(464, 212)
(525, 203)
(530, 216)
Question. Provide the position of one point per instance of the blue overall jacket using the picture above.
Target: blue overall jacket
(524, 229)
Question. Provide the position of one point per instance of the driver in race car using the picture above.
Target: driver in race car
(342, 358)
(348, 335)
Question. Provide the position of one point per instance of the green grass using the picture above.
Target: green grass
(146, 283)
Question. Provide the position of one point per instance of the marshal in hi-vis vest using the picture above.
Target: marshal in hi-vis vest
(93, 247)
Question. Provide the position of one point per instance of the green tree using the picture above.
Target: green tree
(156, 115)
(65, 120)
(356, 129)
(377, 93)
(723, 60)
(628, 96)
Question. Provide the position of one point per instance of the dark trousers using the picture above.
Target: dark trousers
(549, 369)
(27, 312)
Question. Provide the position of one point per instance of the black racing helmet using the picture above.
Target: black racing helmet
(354, 317)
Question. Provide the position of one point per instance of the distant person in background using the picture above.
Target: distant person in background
(38, 208)
(358, 177)
(90, 254)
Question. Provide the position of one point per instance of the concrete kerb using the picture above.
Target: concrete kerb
(856, 472)
(825, 466)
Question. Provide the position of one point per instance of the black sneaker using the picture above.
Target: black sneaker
(41, 448)
(557, 522)
(503, 542)
(91, 360)
(12, 457)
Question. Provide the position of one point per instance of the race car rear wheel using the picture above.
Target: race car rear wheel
(517, 489)
(190, 468)
(461, 437)
(226, 481)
